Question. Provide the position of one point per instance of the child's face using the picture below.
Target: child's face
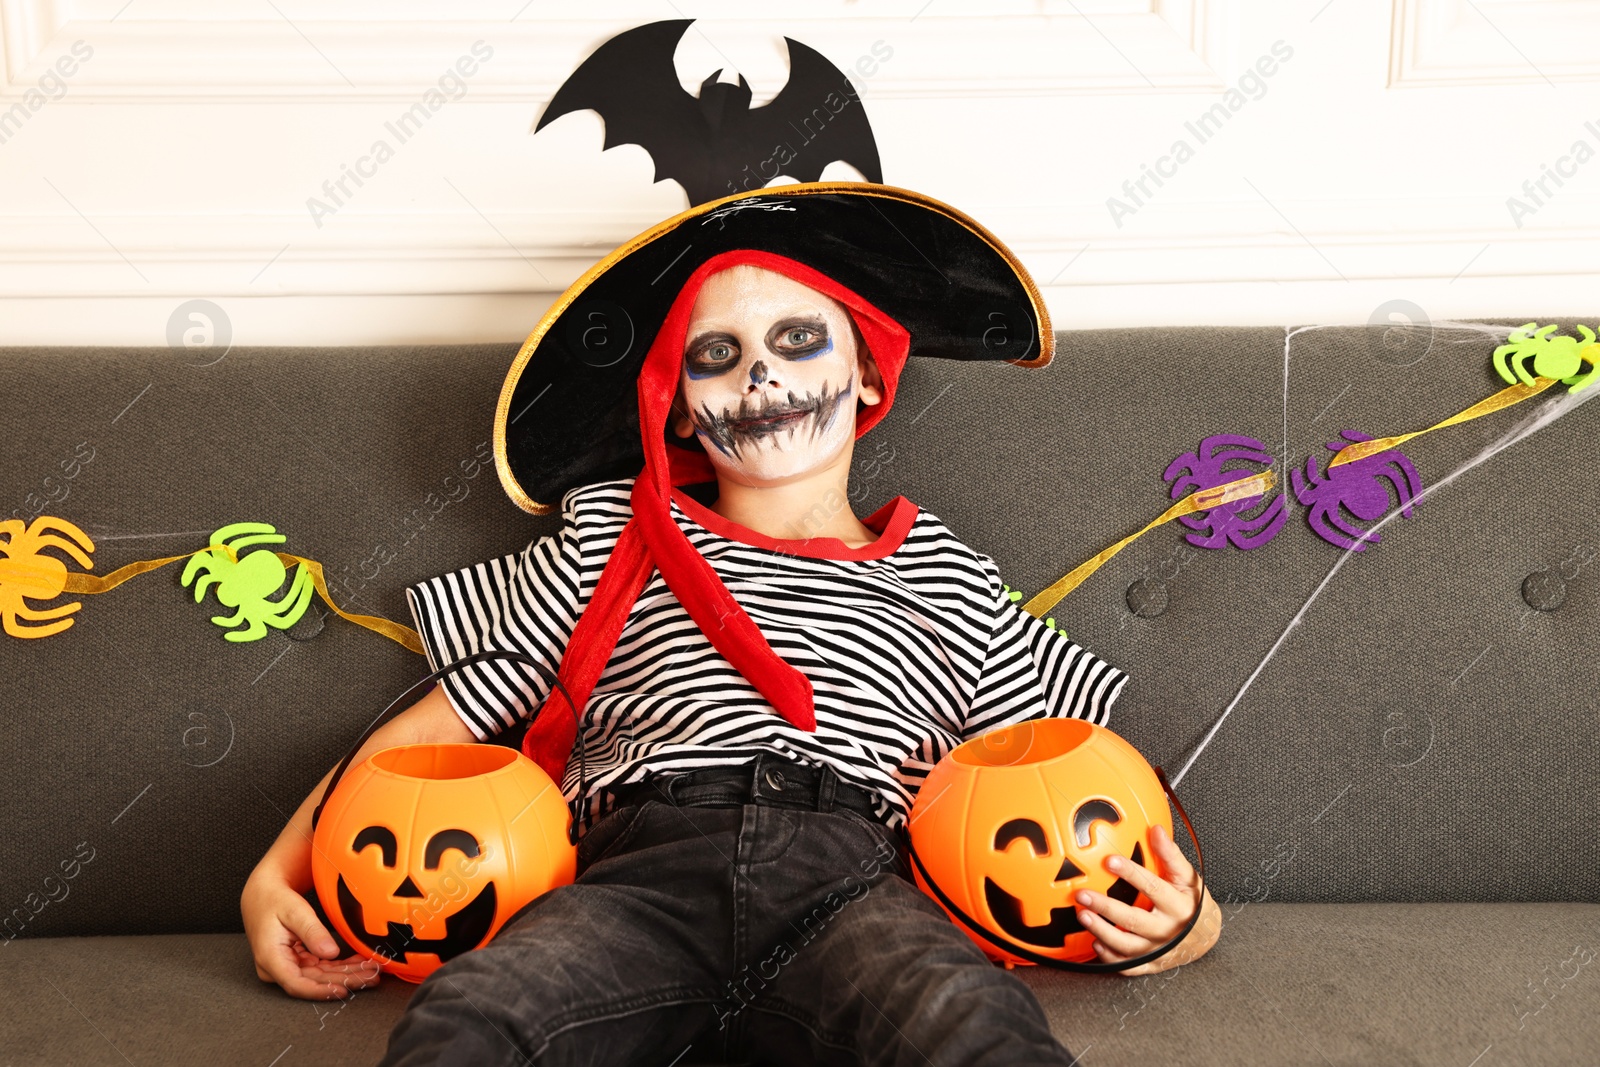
(771, 376)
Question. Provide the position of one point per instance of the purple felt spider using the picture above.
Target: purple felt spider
(1359, 488)
(1225, 523)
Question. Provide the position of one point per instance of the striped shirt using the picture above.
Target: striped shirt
(911, 645)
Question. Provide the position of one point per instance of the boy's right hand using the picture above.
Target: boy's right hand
(293, 948)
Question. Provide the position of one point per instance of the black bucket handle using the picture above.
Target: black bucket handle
(476, 657)
(1069, 965)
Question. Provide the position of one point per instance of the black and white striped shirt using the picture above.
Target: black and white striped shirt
(910, 643)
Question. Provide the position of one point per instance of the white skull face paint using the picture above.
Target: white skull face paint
(770, 375)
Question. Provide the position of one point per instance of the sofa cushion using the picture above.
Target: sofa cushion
(1323, 984)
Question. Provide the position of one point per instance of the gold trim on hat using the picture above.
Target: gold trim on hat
(565, 300)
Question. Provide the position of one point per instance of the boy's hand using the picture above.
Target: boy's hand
(291, 946)
(1122, 931)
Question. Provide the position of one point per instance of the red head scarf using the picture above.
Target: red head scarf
(652, 540)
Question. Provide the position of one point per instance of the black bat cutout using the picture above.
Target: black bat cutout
(716, 144)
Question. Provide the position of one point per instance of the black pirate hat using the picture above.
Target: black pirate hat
(569, 409)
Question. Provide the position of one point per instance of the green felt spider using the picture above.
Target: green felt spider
(1561, 358)
(248, 583)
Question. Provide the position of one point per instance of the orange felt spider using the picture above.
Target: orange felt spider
(27, 574)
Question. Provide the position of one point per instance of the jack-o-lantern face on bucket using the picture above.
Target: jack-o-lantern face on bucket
(1011, 825)
(466, 927)
(424, 851)
(1068, 878)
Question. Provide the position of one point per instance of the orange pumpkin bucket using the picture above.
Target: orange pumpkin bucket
(423, 852)
(1011, 824)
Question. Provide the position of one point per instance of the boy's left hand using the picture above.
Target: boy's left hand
(1122, 931)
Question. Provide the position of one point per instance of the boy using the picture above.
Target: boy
(758, 710)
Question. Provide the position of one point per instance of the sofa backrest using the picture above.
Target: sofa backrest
(1406, 729)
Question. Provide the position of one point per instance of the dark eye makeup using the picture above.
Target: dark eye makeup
(711, 354)
(794, 338)
(798, 338)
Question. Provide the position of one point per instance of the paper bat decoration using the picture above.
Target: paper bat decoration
(717, 144)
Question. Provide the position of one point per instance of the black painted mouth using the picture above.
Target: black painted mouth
(731, 431)
(467, 929)
(771, 423)
(1007, 912)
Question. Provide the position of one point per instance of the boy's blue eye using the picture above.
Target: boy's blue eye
(711, 357)
(799, 340)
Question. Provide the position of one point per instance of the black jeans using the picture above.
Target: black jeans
(718, 931)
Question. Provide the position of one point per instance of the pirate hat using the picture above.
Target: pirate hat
(588, 396)
(568, 412)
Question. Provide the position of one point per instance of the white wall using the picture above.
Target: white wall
(1374, 164)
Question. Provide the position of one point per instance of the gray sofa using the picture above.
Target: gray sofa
(1395, 812)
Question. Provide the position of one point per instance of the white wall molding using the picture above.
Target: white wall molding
(350, 53)
(332, 320)
(1493, 42)
(392, 279)
(211, 130)
(26, 27)
(534, 254)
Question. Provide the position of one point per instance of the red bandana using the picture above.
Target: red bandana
(652, 540)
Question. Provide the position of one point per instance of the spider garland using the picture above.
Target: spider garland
(244, 581)
(1352, 485)
(1531, 361)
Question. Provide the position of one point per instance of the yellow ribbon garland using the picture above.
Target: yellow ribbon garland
(78, 582)
(1200, 500)
(100, 583)
(1210, 498)
(404, 635)
(1514, 394)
